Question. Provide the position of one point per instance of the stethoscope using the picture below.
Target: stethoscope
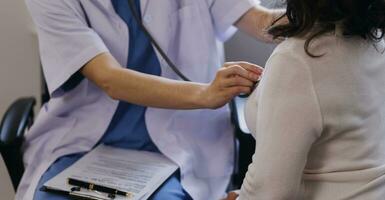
(172, 65)
(132, 6)
(160, 50)
(135, 14)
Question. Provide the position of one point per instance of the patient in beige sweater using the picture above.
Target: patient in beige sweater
(318, 114)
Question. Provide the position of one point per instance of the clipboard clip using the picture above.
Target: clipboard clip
(76, 193)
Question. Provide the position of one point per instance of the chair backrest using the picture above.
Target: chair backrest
(17, 119)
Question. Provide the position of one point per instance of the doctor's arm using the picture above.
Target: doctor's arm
(154, 91)
(257, 20)
(288, 122)
(69, 46)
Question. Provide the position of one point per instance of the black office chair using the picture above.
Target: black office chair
(17, 119)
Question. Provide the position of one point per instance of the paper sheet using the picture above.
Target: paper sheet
(137, 172)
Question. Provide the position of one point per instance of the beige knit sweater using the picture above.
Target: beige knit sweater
(319, 123)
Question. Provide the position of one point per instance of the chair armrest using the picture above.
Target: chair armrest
(16, 120)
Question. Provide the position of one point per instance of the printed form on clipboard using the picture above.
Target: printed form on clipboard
(137, 173)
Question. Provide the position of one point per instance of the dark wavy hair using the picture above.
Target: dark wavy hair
(313, 18)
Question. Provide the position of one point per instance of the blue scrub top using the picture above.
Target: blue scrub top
(128, 126)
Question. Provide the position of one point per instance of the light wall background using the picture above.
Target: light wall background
(19, 60)
(244, 48)
(20, 65)
(6, 190)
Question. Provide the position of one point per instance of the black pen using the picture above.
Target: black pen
(99, 188)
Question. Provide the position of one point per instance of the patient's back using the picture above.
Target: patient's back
(349, 79)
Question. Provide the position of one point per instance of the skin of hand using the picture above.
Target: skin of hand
(232, 195)
(257, 21)
(154, 91)
(232, 79)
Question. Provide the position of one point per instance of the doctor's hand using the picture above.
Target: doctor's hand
(232, 195)
(258, 20)
(233, 79)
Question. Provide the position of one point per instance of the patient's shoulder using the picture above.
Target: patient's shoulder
(291, 45)
(292, 53)
(296, 47)
(288, 54)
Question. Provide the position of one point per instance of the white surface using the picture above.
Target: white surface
(6, 189)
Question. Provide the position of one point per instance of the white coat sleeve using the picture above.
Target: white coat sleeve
(288, 121)
(225, 13)
(66, 42)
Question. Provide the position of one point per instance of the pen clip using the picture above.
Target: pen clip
(76, 192)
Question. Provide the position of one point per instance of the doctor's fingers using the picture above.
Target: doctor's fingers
(237, 90)
(246, 65)
(237, 81)
(236, 70)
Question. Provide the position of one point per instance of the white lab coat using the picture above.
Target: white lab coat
(189, 31)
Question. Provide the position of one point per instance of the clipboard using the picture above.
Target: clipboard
(139, 173)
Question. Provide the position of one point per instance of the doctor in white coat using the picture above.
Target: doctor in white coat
(109, 85)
